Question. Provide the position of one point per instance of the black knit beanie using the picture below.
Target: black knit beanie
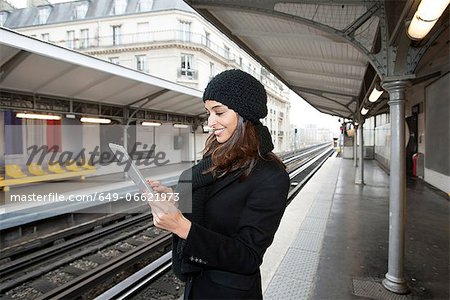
(241, 92)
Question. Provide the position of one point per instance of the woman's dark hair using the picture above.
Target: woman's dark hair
(240, 151)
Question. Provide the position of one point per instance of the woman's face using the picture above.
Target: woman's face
(222, 120)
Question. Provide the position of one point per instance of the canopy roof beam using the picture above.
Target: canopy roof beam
(320, 91)
(335, 61)
(149, 97)
(12, 63)
(284, 35)
(326, 74)
(350, 30)
(266, 8)
(327, 86)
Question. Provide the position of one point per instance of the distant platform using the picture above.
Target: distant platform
(23, 212)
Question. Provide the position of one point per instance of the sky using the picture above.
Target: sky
(299, 107)
(303, 113)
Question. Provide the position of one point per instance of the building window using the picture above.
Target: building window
(116, 35)
(114, 60)
(71, 39)
(207, 39)
(143, 31)
(84, 41)
(119, 7)
(227, 52)
(43, 14)
(144, 5)
(3, 17)
(79, 12)
(185, 31)
(141, 63)
(186, 65)
(240, 62)
(45, 37)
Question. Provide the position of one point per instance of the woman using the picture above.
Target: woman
(238, 190)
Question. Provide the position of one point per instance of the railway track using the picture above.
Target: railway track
(152, 280)
(119, 260)
(51, 273)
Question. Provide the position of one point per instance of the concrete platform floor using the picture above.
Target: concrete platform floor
(348, 259)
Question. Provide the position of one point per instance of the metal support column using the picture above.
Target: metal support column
(360, 169)
(195, 148)
(355, 147)
(394, 279)
(125, 144)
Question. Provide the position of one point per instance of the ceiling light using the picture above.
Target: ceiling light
(375, 94)
(425, 17)
(37, 116)
(364, 111)
(207, 128)
(70, 116)
(150, 123)
(180, 125)
(95, 120)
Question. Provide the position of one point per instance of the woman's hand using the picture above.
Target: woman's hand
(173, 221)
(158, 187)
(164, 216)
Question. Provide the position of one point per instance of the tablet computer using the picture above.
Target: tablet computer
(157, 204)
(133, 172)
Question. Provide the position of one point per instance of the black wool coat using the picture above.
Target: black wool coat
(240, 220)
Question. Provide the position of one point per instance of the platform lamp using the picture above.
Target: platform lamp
(95, 120)
(206, 128)
(180, 126)
(37, 116)
(151, 123)
(364, 111)
(375, 94)
(427, 14)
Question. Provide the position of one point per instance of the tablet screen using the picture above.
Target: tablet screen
(133, 171)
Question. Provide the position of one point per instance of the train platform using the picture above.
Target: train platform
(333, 239)
(16, 213)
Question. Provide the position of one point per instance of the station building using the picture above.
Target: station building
(166, 39)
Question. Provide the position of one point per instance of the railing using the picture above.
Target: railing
(187, 74)
(164, 36)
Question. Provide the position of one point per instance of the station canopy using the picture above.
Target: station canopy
(305, 44)
(34, 66)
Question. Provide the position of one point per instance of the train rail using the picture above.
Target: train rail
(71, 269)
(119, 260)
(301, 166)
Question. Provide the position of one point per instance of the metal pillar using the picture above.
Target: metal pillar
(195, 147)
(355, 147)
(360, 169)
(125, 144)
(394, 279)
